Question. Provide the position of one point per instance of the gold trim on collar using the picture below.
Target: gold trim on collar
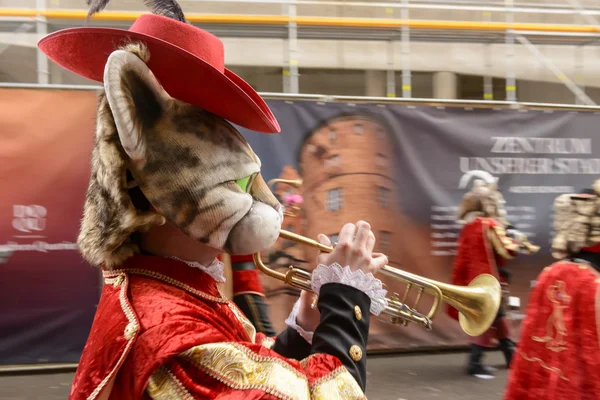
(130, 331)
(110, 276)
(166, 279)
(238, 367)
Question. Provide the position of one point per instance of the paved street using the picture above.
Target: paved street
(408, 377)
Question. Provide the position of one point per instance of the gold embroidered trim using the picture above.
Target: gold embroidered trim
(164, 385)
(268, 342)
(489, 250)
(169, 280)
(338, 384)
(133, 322)
(246, 324)
(543, 364)
(502, 243)
(236, 366)
(556, 329)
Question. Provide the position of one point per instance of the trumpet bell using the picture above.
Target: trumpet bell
(479, 305)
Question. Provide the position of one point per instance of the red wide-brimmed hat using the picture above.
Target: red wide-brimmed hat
(187, 61)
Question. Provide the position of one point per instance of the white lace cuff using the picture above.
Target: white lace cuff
(366, 283)
(291, 322)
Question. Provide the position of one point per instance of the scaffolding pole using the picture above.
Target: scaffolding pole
(583, 12)
(488, 83)
(511, 81)
(43, 65)
(557, 72)
(580, 50)
(290, 72)
(391, 71)
(579, 72)
(405, 43)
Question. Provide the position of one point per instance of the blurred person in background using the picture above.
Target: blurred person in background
(249, 294)
(486, 241)
(558, 355)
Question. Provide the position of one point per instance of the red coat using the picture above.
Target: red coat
(482, 248)
(164, 327)
(559, 352)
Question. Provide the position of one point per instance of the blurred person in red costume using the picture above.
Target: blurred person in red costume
(558, 356)
(486, 241)
(248, 293)
(174, 184)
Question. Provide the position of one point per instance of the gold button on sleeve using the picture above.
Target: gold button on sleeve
(355, 353)
(357, 313)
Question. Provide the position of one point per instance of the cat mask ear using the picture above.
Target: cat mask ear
(137, 101)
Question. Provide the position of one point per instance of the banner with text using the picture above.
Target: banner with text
(402, 168)
(48, 295)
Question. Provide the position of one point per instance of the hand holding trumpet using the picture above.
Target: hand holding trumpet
(353, 249)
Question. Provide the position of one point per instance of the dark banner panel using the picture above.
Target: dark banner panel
(404, 169)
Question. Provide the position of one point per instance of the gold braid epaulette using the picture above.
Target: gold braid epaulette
(503, 245)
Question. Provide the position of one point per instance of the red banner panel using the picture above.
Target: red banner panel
(47, 293)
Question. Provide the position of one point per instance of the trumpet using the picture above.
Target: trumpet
(477, 303)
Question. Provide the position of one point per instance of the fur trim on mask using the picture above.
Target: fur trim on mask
(576, 223)
(109, 217)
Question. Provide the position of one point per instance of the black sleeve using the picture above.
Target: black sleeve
(290, 344)
(255, 309)
(344, 328)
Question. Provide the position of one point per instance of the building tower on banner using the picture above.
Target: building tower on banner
(348, 175)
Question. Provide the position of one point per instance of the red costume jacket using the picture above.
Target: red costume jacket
(482, 248)
(559, 352)
(163, 330)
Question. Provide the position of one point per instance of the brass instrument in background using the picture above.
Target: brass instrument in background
(525, 246)
(477, 303)
(288, 211)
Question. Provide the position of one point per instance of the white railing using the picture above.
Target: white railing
(354, 99)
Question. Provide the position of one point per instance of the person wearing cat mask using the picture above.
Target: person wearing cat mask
(173, 185)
